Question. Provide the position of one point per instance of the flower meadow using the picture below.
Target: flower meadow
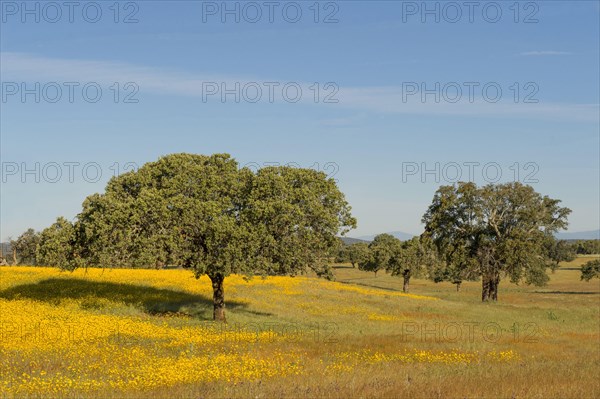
(139, 332)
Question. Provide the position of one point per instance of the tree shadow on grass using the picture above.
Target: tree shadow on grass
(153, 301)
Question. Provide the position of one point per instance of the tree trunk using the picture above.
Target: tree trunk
(218, 297)
(458, 286)
(353, 264)
(485, 288)
(490, 284)
(14, 256)
(494, 287)
(406, 281)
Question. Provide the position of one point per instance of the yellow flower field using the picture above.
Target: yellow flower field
(145, 333)
(54, 348)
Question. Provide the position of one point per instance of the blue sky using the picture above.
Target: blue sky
(371, 126)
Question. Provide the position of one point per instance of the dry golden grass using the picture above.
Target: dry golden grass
(147, 333)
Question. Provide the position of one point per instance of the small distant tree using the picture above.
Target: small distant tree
(382, 253)
(57, 245)
(13, 251)
(409, 260)
(455, 267)
(3, 248)
(560, 251)
(590, 270)
(335, 250)
(342, 254)
(25, 247)
(588, 247)
(357, 253)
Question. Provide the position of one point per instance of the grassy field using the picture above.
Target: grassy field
(147, 333)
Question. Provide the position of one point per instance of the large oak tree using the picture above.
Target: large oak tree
(495, 230)
(207, 214)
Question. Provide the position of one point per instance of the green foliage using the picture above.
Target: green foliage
(342, 254)
(587, 247)
(408, 259)
(355, 254)
(383, 252)
(560, 251)
(494, 230)
(206, 214)
(294, 216)
(26, 245)
(456, 266)
(57, 245)
(413, 258)
(590, 270)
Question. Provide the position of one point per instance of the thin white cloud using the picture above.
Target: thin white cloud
(542, 53)
(394, 100)
(387, 99)
(20, 66)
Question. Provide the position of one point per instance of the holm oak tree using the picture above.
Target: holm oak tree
(207, 214)
(495, 230)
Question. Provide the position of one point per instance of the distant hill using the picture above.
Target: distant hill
(580, 235)
(398, 234)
